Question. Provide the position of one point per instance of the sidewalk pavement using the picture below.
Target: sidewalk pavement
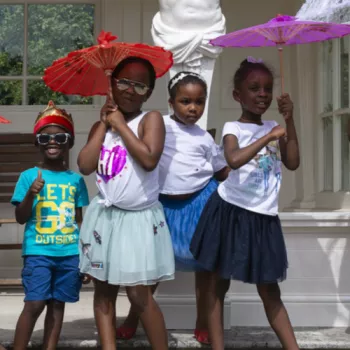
(79, 330)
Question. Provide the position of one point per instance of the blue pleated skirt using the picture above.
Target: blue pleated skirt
(240, 244)
(182, 217)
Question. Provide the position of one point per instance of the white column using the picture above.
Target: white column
(305, 117)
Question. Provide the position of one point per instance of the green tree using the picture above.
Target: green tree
(53, 31)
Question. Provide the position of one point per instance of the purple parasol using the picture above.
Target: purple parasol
(282, 30)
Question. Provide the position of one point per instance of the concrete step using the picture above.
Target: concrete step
(82, 335)
(79, 330)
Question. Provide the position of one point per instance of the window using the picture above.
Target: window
(33, 34)
(334, 116)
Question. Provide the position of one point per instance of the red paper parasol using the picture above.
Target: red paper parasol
(4, 120)
(85, 72)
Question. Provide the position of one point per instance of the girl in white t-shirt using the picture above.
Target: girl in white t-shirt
(190, 161)
(239, 234)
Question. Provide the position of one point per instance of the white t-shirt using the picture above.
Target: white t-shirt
(254, 186)
(121, 180)
(189, 160)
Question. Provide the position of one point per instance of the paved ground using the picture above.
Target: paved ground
(79, 330)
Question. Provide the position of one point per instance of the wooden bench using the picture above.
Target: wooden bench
(17, 153)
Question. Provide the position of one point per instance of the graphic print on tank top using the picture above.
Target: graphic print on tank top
(112, 161)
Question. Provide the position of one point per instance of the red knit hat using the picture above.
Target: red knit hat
(52, 115)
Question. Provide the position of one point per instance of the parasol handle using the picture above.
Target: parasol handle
(280, 53)
(108, 73)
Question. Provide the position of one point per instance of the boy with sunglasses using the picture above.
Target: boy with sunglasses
(49, 201)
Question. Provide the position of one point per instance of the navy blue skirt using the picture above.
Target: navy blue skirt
(182, 217)
(240, 244)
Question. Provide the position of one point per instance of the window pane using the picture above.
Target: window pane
(40, 94)
(55, 30)
(11, 39)
(328, 153)
(345, 154)
(344, 73)
(11, 92)
(327, 76)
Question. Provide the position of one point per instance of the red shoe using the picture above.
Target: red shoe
(125, 333)
(202, 336)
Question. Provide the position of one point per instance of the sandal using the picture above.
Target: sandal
(202, 336)
(125, 333)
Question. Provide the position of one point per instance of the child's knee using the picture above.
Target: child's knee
(57, 304)
(139, 297)
(34, 308)
(269, 292)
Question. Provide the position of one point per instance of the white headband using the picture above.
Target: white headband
(184, 75)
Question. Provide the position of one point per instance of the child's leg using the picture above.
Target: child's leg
(141, 298)
(128, 328)
(105, 297)
(26, 322)
(53, 323)
(215, 297)
(277, 315)
(37, 283)
(65, 287)
(201, 279)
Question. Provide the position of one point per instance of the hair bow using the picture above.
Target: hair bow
(251, 59)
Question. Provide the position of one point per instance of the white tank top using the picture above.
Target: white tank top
(122, 182)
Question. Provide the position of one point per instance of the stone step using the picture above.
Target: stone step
(79, 330)
(82, 335)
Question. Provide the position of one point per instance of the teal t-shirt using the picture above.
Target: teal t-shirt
(52, 229)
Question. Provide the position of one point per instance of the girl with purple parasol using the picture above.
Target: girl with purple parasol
(239, 235)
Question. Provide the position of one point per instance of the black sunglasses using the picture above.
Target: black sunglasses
(60, 138)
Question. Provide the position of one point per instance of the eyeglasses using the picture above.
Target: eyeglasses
(124, 84)
(60, 138)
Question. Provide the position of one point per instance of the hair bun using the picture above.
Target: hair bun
(244, 63)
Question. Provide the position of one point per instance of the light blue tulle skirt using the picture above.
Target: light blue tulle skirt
(182, 217)
(124, 247)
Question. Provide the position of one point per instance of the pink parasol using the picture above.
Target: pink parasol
(4, 120)
(282, 30)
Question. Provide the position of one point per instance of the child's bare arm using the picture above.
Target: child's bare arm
(88, 156)
(79, 216)
(289, 146)
(237, 157)
(24, 209)
(222, 174)
(147, 149)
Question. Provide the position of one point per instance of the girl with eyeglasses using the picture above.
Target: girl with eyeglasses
(125, 240)
(49, 202)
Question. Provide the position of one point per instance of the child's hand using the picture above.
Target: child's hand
(86, 279)
(277, 132)
(37, 185)
(115, 119)
(285, 106)
(108, 108)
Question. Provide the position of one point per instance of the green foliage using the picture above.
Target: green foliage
(53, 31)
